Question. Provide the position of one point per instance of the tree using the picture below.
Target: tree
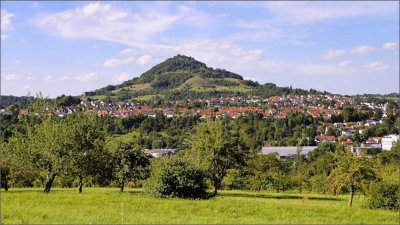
(87, 147)
(215, 148)
(130, 162)
(12, 162)
(351, 174)
(50, 142)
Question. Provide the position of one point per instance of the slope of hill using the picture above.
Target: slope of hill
(182, 77)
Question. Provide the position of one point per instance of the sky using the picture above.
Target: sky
(71, 47)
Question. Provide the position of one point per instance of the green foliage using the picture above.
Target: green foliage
(88, 155)
(267, 172)
(383, 195)
(130, 163)
(170, 80)
(235, 180)
(351, 174)
(215, 149)
(67, 100)
(176, 177)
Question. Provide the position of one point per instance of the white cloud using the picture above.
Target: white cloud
(118, 62)
(345, 63)
(108, 23)
(5, 19)
(127, 51)
(378, 65)
(3, 37)
(257, 30)
(363, 50)
(85, 77)
(80, 77)
(250, 78)
(49, 77)
(335, 53)
(144, 59)
(316, 69)
(30, 78)
(5, 23)
(121, 78)
(12, 76)
(296, 12)
(391, 45)
(193, 17)
(19, 76)
(221, 54)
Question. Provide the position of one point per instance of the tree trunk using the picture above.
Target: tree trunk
(49, 181)
(216, 184)
(351, 196)
(80, 184)
(6, 185)
(122, 186)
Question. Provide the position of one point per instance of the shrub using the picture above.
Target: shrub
(174, 177)
(384, 195)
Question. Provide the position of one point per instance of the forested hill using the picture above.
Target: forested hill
(183, 77)
(6, 100)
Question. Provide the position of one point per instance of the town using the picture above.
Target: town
(328, 107)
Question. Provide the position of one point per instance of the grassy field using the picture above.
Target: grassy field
(125, 137)
(108, 205)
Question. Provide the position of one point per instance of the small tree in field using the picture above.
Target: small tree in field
(129, 163)
(215, 149)
(87, 147)
(351, 174)
(50, 144)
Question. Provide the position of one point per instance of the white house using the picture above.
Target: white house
(156, 153)
(389, 140)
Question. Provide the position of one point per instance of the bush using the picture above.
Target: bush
(172, 177)
(384, 195)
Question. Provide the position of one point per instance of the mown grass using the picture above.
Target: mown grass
(108, 205)
(199, 84)
(148, 97)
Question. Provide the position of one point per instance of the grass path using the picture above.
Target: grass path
(108, 205)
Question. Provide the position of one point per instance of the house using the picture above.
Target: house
(372, 143)
(23, 112)
(348, 133)
(323, 138)
(348, 142)
(338, 125)
(156, 153)
(389, 140)
(287, 152)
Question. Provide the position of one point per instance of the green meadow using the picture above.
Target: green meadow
(109, 206)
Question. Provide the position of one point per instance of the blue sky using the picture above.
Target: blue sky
(71, 47)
